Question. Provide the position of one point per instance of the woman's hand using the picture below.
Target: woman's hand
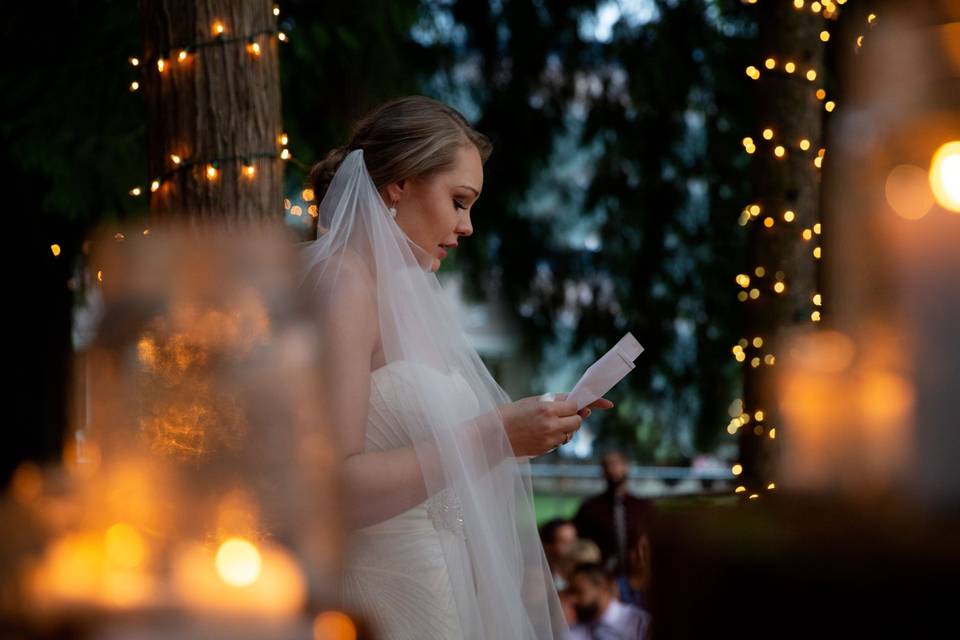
(535, 427)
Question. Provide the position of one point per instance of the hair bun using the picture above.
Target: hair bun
(321, 174)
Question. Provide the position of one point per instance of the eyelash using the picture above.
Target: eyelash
(458, 205)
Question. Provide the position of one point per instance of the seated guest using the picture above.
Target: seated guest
(633, 584)
(600, 616)
(557, 536)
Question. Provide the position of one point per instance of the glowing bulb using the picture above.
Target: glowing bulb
(945, 176)
(743, 280)
(798, 4)
(747, 141)
(871, 18)
(768, 134)
(154, 185)
(135, 62)
(175, 158)
(807, 234)
(285, 154)
(282, 37)
(212, 172)
(249, 170)
(771, 486)
(134, 85)
(284, 139)
(55, 249)
(768, 222)
(161, 64)
(135, 191)
(254, 49)
(772, 433)
(788, 216)
(811, 75)
(758, 342)
(804, 144)
(276, 10)
(758, 416)
(740, 489)
(859, 41)
(307, 195)
(816, 228)
(296, 210)
(218, 28)
(754, 293)
(238, 562)
(821, 94)
(770, 63)
(779, 151)
(830, 105)
(790, 67)
(825, 36)
(753, 72)
(816, 252)
(754, 210)
(759, 271)
(817, 299)
(182, 55)
(779, 287)
(815, 316)
(737, 469)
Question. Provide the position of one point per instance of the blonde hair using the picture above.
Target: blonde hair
(412, 136)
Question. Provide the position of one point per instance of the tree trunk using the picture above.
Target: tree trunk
(788, 105)
(217, 109)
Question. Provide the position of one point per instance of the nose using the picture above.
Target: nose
(464, 227)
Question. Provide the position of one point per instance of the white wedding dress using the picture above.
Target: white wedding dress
(399, 575)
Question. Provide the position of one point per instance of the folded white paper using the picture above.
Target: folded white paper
(603, 374)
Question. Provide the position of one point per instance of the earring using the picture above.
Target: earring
(393, 211)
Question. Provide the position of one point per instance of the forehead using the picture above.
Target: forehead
(467, 169)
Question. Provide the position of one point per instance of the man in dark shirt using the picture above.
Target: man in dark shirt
(614, 517)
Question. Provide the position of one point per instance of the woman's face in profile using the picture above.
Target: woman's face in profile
(434, 211)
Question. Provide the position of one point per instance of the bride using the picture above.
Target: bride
(442, 540)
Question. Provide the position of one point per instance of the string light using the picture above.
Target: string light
(55, 249)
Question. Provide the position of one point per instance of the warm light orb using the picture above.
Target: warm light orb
(908, 191)
(124, 546)
(218, 28)
(212, 172)
(334, 625)
(55, 249)
(736, 469)
(238, 562)
(945, 176)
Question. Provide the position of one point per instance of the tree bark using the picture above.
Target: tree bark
(220, 104)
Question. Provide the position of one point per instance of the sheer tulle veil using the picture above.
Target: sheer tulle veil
(500, 580)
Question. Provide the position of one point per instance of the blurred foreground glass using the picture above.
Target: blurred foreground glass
(203, 475)
(868, 400)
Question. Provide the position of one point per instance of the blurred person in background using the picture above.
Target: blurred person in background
(557, 536)
(613, 517)
(600, 616)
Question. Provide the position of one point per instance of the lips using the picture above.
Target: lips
(443, 251)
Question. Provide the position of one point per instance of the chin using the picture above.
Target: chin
(436, 265)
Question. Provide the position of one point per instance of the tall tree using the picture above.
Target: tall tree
(783, 224)
(212, 89)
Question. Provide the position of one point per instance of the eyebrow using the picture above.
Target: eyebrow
(466, 186)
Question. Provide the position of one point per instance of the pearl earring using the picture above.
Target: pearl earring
(393, 211)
